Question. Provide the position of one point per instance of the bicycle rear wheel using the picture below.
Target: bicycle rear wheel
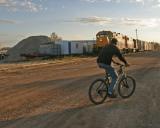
(126, 87)
(98, 91)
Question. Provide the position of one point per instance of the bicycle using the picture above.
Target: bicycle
(126, 86)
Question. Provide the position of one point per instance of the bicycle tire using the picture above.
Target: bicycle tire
(102, 88)
(124, 84)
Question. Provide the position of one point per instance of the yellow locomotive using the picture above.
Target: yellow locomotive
(102, 38)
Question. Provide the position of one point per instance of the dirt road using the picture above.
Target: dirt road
(54, 95)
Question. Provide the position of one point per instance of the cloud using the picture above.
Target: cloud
(157, 4)
(152, 22)
(93, 1)
(138, 1)
(102, 21)
(15, 5)
(151, 3)
(3, 21)
(93, 20)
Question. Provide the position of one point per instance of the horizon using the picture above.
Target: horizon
(78, 19)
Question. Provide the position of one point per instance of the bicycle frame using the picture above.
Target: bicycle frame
(121, 74)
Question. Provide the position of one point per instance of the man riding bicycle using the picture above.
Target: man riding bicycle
(104, 61)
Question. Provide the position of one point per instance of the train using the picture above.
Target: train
(126, 44)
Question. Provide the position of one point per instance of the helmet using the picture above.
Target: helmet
(114, 41)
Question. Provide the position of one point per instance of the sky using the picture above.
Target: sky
(78, 19)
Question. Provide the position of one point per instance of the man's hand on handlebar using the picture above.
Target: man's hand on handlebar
(115, 62)
(127, 65)
(118, 63)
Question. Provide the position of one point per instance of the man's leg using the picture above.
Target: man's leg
(112, 73)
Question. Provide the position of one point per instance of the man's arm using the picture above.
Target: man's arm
(114, 62)
(119, 55)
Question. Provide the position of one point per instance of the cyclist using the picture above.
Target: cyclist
(104, 61)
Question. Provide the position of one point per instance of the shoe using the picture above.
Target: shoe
(113, 95)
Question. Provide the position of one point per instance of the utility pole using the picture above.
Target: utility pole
(136, 39)
(136, 35)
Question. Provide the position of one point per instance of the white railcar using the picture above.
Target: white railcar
(130, 44)
(76, 47)
(88, 46)
(121, 44)
(49, 48)
(64, 47)
(70, 47)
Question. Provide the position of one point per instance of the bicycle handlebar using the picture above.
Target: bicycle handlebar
(119, 64)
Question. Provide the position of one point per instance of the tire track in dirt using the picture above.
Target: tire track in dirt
(42, 91)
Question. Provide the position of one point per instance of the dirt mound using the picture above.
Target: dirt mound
(29, 45)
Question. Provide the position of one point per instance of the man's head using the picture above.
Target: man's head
(114, 41)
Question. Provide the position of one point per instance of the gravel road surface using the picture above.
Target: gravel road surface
(55, 95)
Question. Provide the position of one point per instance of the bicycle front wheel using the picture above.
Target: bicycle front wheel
(126, 87)
(98, 91)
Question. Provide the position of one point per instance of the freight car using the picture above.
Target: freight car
(126, 44)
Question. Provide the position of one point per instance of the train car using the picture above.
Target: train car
(50, 49)
(103, 38)
(121, 44)
(138, 45)
(152, 46)
(142, 46)
(88, 46)
(135, 46)
(125, 43)
(146, 46)
(130, 45)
